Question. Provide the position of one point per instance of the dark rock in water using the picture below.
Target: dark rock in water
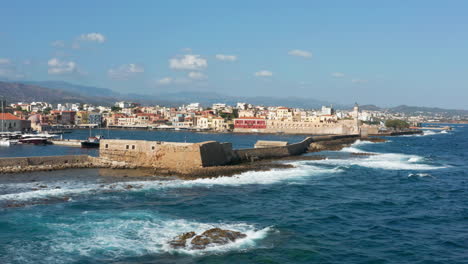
(362, 154)
(181, 241)
(215, 237)
(42, 186)
(211, 237)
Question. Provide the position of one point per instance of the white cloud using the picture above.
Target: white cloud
(300, 53)
(57, 66)
(338, 75)
(93, 37)
(8, 69)
(359, 81)
(225, 57)
(58, 44)
(264, 73)
(165, 81)
(197, 75)
(188, 62)
(4, 61)
(125, 71)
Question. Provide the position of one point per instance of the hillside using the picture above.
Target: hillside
(427, 110)
(14, 92)
(75, 88)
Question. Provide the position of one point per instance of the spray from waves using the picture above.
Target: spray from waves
(113, 235)
(354, 148)
(428, 133)
(388, 161)
(300, 171)
(420, 175)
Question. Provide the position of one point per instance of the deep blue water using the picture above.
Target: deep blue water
(406, 204)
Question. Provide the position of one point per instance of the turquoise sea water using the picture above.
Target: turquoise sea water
(408, 203)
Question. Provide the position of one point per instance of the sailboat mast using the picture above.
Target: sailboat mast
(3, 114)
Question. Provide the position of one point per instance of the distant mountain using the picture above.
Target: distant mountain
(427, 110)
(370, 108)
(59, 92)
(17, 92)
(209, 98)
(74, 88)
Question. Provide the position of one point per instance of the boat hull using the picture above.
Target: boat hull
(85, 144)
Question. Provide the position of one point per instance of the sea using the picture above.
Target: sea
(400, 201)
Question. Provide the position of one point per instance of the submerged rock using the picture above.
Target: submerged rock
(211, 237)
(181, 241)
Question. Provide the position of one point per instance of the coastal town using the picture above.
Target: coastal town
(219, 117)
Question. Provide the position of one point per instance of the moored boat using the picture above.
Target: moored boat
(91, 142)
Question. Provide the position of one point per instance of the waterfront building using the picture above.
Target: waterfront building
(95, 118)
(81, 117)
(11, 123)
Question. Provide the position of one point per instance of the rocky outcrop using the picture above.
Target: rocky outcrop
(209, 238)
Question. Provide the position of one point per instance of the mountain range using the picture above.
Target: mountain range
(61, 92)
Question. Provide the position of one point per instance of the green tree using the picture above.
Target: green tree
(396, 124)
(116, 109)
(46, 110)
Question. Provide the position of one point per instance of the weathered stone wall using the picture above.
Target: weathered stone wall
(168, 155)
(342, 127)
(273, 152)
(47, 160)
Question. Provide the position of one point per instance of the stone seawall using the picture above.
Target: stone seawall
(49, 163)
(43, 160)
(294, 149)
(182, 158)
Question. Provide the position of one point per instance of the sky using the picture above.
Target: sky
(372, 52)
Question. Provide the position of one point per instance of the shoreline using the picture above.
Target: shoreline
(53, 163)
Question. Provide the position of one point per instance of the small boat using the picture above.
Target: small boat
(34, 140)
(91, 142)
(5, 142)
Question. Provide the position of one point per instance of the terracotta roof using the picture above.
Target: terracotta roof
(8, 116)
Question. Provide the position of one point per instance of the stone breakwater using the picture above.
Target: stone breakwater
(50, 163)
(188, 160)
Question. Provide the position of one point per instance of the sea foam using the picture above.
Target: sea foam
(299, 172)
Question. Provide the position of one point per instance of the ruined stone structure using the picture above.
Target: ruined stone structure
(167, 155)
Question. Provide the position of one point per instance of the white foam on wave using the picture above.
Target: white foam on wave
(300, 171)
(125, 236)
(43, 194)
(386, 161)
(420, 175)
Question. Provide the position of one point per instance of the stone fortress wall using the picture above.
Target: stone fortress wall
(185, 157)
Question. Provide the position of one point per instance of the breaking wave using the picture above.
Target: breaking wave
(300, 171)
(124, 234)
(420, 175)
(386, 161)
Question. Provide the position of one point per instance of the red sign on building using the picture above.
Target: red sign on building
(250, 122)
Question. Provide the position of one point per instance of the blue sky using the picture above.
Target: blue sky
(385, 53)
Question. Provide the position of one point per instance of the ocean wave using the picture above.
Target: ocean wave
(140, 233)
(300, 171)
(419, 175)
(386, 161)
(97, 236)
